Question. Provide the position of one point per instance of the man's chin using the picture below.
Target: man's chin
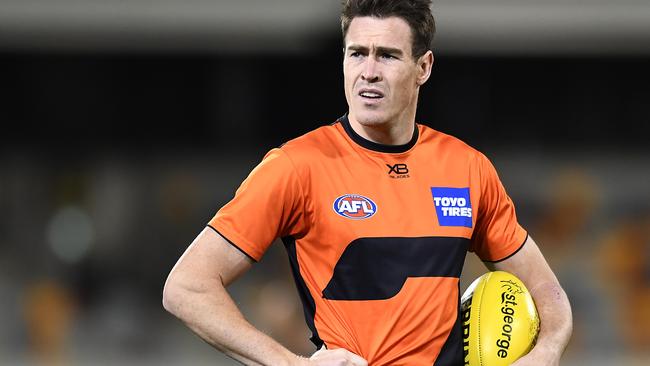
(371, 118)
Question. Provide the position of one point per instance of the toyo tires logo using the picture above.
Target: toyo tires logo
(354, 206)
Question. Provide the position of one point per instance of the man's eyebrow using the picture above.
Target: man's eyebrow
(391, 50)
(355, 47)
(380, 49)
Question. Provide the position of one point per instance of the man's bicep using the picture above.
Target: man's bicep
(528, 264)
(209, 258)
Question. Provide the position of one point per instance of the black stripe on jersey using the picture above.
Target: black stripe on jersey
(511, 254)
(370, 145)
(451, 353)
(308, 303)
(377, 268)
(233, 244)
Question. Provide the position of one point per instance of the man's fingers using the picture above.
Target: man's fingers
(357, 360)
(339, 356)
(354, 359)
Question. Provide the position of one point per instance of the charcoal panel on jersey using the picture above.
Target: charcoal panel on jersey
(451, 353)
(308, 303)
(377, 268)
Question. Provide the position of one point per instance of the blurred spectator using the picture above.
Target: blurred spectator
(566, 231)
(49, 312)
(624, 269)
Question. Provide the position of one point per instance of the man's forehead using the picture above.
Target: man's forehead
(372, 32)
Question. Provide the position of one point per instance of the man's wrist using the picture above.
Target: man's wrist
(300, 361)
(548, 352)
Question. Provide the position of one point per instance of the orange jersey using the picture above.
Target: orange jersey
(377, 236)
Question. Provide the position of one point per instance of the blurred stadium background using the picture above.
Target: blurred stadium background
(127, 124)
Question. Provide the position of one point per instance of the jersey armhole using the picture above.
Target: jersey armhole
(232, 243)
(511, 254)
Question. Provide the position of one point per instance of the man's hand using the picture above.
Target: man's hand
(539, 357)
(336, 357)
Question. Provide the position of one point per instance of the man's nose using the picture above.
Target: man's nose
(370, 71)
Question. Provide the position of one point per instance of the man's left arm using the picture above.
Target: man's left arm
(550, 299)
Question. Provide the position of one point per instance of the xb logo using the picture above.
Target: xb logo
(398, 170)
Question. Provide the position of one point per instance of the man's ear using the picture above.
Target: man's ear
(424, 64)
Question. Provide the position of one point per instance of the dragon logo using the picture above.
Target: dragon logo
(511, 287)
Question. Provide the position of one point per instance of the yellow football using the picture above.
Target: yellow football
(500, 321)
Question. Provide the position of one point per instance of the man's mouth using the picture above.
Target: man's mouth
(371, 94)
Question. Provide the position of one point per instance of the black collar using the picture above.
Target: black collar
(370, 145)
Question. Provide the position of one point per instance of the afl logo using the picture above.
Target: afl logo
(354, 206)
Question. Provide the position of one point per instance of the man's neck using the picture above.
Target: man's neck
(389, 133)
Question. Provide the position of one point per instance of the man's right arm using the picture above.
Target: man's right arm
(195, 292)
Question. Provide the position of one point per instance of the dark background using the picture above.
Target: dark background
(61, 101)
(112, 160)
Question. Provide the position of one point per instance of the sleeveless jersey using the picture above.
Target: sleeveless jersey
(376, 236)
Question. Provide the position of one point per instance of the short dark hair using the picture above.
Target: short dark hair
(417, 13)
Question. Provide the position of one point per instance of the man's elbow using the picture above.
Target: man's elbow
(172, 296)
(568, 311)
(183, 290)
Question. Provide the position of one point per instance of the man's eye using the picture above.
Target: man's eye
(355, 54)
(387, 56)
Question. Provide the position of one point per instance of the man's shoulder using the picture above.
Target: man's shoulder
(322, 141)
(447, 143)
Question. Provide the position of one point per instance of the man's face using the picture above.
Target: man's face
(381, 77)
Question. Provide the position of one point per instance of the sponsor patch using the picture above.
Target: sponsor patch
(354, 206)
(453, 206)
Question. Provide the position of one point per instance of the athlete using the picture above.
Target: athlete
(377, 214)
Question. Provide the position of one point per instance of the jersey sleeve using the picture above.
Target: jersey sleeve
(268, 204)
(498, 235)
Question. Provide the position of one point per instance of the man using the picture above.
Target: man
(377, 214)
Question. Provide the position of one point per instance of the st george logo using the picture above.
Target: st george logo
(354, 206)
